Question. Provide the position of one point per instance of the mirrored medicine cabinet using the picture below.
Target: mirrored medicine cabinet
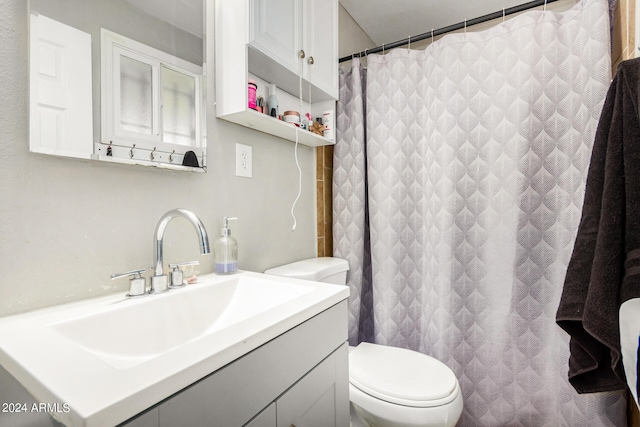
(119, 81)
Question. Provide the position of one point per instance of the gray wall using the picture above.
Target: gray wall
(352, 38)
(66, 225)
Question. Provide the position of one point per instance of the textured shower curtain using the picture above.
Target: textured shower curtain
(459, 174)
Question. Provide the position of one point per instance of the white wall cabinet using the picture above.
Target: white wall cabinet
(281, 29)
(299, 378)
(275, 31)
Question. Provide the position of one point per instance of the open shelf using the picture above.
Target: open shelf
(264, 123)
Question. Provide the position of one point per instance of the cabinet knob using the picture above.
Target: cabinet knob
(310, 60)
(301, 54)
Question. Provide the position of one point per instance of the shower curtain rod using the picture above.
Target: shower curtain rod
(450, 28)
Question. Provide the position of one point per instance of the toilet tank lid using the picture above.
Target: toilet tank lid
(311, 269)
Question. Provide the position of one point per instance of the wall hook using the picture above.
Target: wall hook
(109, 150)
(151, 156)
(131, 151)
(171, 156)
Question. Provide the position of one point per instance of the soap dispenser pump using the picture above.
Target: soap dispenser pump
(226, 251)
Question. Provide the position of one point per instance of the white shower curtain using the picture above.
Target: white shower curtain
(459, 175)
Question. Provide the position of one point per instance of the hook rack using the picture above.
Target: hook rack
(150, 155)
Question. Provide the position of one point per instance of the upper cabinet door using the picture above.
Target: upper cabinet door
(276, 30)
(321, 44)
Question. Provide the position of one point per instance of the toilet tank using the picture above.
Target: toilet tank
(323, 269)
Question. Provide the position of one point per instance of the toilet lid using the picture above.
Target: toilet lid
(400, 376)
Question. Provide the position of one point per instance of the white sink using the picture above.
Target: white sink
(129, 333)
(110, 358)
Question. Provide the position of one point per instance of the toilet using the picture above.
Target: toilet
(388, 386)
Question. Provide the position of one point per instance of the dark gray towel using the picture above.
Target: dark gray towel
(602, 273)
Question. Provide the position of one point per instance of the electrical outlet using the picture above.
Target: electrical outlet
(244, 160)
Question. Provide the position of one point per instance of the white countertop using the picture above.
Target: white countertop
(100, 389)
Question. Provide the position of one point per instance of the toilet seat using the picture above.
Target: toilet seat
(402, 377)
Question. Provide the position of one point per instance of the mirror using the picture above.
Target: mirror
(119, 81)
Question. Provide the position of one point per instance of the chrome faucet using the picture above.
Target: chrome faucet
(159, 280)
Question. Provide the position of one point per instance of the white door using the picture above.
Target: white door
(61, 111)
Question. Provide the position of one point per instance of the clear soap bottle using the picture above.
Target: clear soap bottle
(225, 251)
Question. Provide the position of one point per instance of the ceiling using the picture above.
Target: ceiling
(386, 22)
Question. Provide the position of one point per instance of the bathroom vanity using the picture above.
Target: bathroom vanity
(299, 378)
(247, 349)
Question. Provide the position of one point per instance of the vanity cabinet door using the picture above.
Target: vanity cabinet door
(266, 418)
(148, 418)
(321, 397)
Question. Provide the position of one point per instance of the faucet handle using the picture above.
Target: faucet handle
(137, 284)
(176, 280)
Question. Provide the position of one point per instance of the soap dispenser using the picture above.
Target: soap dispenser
(226, 251)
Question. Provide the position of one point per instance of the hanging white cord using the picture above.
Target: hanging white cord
(295, 150)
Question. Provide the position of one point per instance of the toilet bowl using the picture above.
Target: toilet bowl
(388, 386)
(391, 386)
